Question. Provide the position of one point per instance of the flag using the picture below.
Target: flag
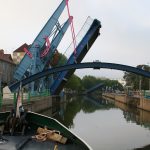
(19, 103)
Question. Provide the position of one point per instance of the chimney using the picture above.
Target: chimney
(1, 52)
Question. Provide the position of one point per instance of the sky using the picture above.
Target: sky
(124, 38)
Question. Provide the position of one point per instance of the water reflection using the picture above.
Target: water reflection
(104, 124)
(65, 112)
(91, 104)
(138, 116)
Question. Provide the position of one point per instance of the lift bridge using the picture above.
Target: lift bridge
(94, 88)
(42, 50)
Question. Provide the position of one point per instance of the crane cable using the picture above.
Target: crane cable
(72, 27)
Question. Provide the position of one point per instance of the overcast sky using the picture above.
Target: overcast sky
(125, 32)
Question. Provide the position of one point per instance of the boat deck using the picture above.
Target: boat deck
(27, 143)
(22, 139)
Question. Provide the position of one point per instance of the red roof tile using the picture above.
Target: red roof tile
(20, 49)
(6, 57)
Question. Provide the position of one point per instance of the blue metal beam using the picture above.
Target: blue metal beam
(95, 65)
(94, 88)
(81, 50)
(56, 41)
(38, 44)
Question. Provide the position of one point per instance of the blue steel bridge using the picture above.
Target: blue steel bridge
(35, 64)
(41, 52)
(67, 68)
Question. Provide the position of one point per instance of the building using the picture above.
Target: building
(5, 57)
(19, 53)
(7, 68)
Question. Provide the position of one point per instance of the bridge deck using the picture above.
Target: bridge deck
(81, 51)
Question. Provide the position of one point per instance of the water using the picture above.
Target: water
(103, 124)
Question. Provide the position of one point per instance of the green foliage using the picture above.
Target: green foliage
(134, 80)
(74, 83)
(90, 81)
(62, 60)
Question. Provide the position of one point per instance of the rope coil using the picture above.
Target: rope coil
(45, 134)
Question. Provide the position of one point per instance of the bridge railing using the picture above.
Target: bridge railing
(79, 36)
(46, 92)
(11, 98)
(147, 94)
(142, 93)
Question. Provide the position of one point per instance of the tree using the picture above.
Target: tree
(58, 59)
(90, 81)
(74, 83)
(134, 80)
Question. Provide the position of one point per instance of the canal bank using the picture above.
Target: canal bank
(140, 116)
(35, 104)
(135, 101)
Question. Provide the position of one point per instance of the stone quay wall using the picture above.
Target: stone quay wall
(139, 102)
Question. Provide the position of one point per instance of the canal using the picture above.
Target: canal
(104, 124)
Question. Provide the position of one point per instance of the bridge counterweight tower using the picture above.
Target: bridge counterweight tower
(41, 50)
